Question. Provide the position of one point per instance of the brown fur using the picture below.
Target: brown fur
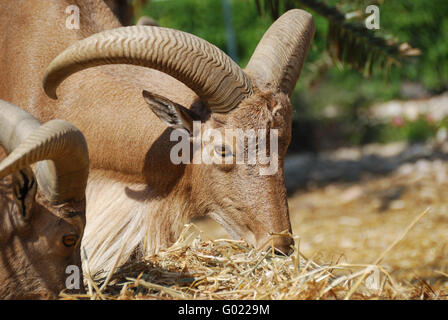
(127, 141)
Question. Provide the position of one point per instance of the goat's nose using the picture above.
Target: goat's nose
(283, 245)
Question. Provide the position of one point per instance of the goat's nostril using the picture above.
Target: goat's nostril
(284, 246)
(283, 251)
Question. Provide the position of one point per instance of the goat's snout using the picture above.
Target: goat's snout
(283, 245)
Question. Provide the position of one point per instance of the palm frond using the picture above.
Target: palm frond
(349, 41)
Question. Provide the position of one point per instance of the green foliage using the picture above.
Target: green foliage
(202, 18)
(413, 131)
(205, 19)
(424, 24)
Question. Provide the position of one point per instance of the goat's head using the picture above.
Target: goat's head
(245, 202)
(42, 210)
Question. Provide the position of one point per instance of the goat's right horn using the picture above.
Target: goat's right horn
(280, 54)
(63, 176)
(216, 79)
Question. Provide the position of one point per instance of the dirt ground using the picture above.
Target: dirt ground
(355, 222)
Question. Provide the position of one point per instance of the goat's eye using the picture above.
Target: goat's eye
(70, 240)
(223, 150)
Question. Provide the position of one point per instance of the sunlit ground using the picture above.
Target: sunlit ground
(356, 222)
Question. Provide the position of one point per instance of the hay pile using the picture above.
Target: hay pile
(382, 237)
(194, 268)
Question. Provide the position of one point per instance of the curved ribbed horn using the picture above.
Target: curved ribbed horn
(62, 179)
(279, 56)
(216, 79)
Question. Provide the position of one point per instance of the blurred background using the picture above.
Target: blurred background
(369, 144)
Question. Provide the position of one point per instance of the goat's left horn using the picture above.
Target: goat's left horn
(63, 175)
(209, 72)
(280, 54)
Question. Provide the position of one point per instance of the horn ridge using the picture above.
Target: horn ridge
(58, 148)
(200, 65)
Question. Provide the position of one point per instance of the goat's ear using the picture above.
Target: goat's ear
(24, 193)
(171, 113)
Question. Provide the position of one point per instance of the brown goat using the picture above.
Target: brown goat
(135, 192)
(42, 213)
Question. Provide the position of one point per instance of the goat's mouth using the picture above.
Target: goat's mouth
(255, 233)
(282, 244)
